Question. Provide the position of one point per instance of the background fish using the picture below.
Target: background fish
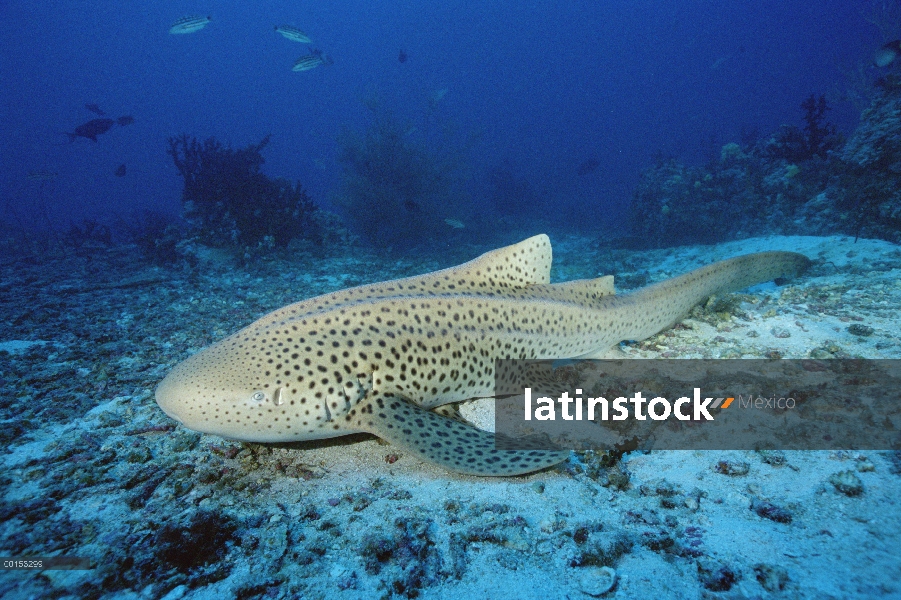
(125, 120)
(189, 24)
(293, 33)
(95, 109)
(305, 63)
(120, 171)
(91, 129)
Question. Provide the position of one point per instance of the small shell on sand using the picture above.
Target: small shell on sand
(596, 581)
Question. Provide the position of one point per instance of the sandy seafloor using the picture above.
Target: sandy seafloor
(93, 468)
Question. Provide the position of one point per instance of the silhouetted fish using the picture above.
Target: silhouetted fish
(293, 33)
(402, 56)
(189, 24)
(91, 129)
(120, 171)
(95, 109)
(588, 166)
(126, 120)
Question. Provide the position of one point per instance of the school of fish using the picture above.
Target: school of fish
(315, 58)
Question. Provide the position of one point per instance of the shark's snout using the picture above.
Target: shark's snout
(190, 397)
(169, 397)
(210, 392)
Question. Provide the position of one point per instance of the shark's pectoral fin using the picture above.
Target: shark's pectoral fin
(448, 442)
(451, 411)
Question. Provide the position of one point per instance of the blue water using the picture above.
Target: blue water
(535, 87)
(562, 104)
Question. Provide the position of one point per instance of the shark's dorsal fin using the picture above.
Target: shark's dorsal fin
(519, 265)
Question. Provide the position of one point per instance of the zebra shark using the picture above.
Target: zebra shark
(392, 358)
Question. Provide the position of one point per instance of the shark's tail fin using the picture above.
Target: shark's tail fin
(753, 269)
(675, 297)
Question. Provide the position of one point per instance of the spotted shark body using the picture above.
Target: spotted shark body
(389, 358)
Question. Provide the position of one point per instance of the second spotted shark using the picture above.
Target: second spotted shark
(392, 358)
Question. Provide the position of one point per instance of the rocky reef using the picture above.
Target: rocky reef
(796, 181)
(231, 202)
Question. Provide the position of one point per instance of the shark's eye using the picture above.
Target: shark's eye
(258, 396)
